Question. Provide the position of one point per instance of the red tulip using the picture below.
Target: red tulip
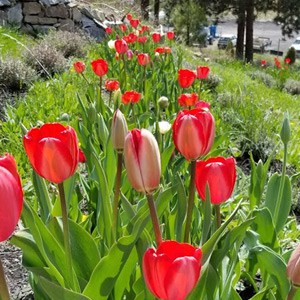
(170, 35)
(123, 27)
(129, 17)
(142, 160)
(52, 151)
(202, 72)
(193, 132)
(79, 66)
(203, 105)
(263, 62)
(219, 174)
(134, 23)
(145, 28)
(287, 60)
(82, 157)
(121, 46)
(100, 67)
(186, 78)
(162, 50)
(108, 30)
(112, 85)
(119, 130)
(172, 271)
(142, 39)
(131, 97)
(130, 38)
(293, 267)
(188, 99)
(143, 59)
(156, 37)
(11, 196)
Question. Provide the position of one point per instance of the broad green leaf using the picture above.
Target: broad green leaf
(279, 206)
(262, 295)
(55, 291)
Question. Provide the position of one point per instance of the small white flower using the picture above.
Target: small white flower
(164, 127)
(111, 44)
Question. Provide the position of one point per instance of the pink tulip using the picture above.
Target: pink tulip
(142, 160)
(293, 267)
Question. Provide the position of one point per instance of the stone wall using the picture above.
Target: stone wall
(38, 16)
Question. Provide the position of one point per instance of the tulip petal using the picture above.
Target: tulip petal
(11, 200)
(48, 153)
(181, 278)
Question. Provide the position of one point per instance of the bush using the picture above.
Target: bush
(267, 79)
(292, 86)
(212, 81)
(15, 75)
(46, 60)
(69, 43)
(291, 54)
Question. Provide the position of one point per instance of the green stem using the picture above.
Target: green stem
(110, 96)
(99, 105)
(117, 194)
(291, 293)
(66, 231)
(218, 216)
(191, 200)
(154, 219)
(281, 187)
(4, 293)
(200, 87)
(85, 78)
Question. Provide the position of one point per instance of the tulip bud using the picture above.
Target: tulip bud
(163, 102)
(142, 160)
(119, 130)
(285, 133)
(164, 127)
(293, 267)
(92, 112)
(111, 44)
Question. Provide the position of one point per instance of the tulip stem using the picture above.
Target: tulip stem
(66, 232)
(117, 194)
(4, 293)
(218, 215)
(154, 219)
(191, 200)
(291, 293)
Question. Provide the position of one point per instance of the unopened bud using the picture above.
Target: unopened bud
(163, 102)
(119, 130)
(285, 133)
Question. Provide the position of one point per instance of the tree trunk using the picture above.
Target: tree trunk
(241, 18)
(249, 30)
(156, 11)
(144, 9)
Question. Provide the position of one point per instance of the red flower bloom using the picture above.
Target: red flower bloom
(145, 28)
(156, 37)
(108, 30)
(100, 67)
(203, 105)
(219, 174)
(123, 27)
(172, 271)
(202, 72)
(11, 196)
(170, 35)
(186, 78)
(131, 97)
(129, 17)
(188, 99)
(134, 23)
(142, 160)
(277, 63)
(112, 85)
(52, 151)
(263, 62)
(130, 38)
(142, 39)
(82, 157)
(121, 46)
(193, 132)
(143, 59)
(287, 60)
(79, 66)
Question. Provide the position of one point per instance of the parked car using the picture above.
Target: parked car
(296, 46)
(261, 43)
(224, 40)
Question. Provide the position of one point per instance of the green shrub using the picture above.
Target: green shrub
(212, 81)
(292, 86)
(261, 76)
(291, 54)
(69, 43)
(46, 60)
(15, 75)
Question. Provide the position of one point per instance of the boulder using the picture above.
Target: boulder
(31, 8)
(93, 28)
(15, 16)
(57, 11)
(4, 3)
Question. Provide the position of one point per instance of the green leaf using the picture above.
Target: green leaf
(279, 206)
(180, 208)
(55, 291)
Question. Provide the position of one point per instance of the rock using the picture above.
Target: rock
(47, 21)
(42, 28)
(93, 29)
(3, 18)
(31, 19)
(31, 8)
(15, 16)
(53, 2)
(57, 11)
(67, 25)
(76, 15)
(4, 3)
